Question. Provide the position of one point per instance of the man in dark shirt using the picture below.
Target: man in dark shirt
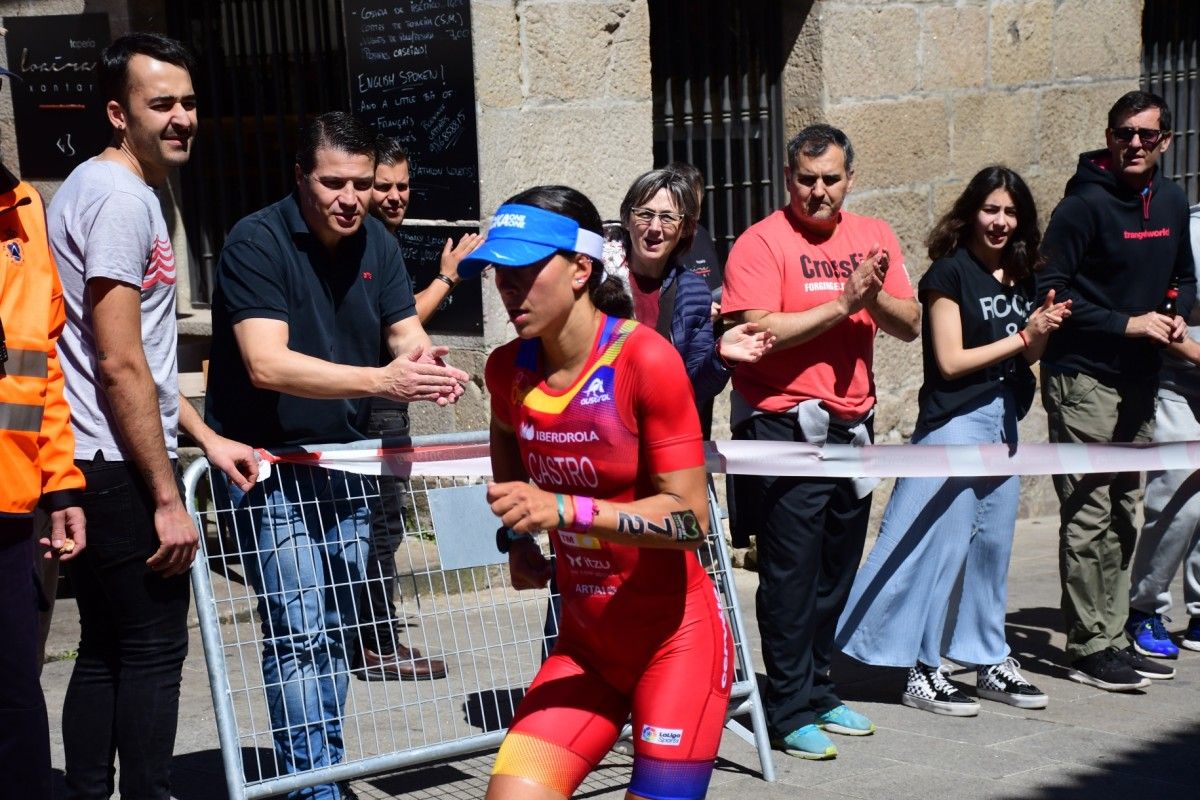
(303, 291)
(383, 656)
(1114, 245)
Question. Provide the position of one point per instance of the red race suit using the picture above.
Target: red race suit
(641, 629)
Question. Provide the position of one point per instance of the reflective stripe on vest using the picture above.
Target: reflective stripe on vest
(20, 417)
(24, 364)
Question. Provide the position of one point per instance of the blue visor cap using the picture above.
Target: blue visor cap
(523, 235)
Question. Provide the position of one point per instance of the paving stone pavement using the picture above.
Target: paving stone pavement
(1087, 744)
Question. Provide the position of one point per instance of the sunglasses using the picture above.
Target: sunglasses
(1149, 136)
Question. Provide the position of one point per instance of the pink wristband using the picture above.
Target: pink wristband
(585, 513)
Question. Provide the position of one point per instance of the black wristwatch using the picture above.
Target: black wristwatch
(506, 536)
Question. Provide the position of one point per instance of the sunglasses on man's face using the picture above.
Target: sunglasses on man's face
(1148, 136)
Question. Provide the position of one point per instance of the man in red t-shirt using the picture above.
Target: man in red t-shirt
(823, 281)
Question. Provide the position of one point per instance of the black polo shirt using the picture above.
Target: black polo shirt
(335, 305)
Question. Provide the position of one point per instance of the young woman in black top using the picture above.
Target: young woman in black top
(935, 582)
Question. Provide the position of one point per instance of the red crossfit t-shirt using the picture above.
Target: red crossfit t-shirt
(777, 266)
(629, 415)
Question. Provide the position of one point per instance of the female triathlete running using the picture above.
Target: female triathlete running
(595, 438)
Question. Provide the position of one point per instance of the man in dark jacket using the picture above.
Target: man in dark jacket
(1114, 246)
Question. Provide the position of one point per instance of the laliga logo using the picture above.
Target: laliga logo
(508, 221)
(527, 432)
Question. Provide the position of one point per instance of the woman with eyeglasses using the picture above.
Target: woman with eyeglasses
(935, 582)
(658, 221)
(595, 439)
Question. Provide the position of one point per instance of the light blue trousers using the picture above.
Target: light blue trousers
(936, 581)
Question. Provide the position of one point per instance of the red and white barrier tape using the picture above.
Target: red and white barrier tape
(804, 460)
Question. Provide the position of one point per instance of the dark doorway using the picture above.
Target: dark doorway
(263, 68)
(716, 71)
(1170, 65)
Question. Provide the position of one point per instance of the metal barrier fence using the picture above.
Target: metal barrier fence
(454, 602)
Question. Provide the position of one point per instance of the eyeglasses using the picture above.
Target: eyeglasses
(645, 216)
(1149, 136)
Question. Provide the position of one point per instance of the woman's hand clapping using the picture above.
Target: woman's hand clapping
(1047, 318)
(745, 343)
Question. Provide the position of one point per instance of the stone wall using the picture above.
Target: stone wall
(23, 8)
(123, 16)
(929, 92)
(563, 92)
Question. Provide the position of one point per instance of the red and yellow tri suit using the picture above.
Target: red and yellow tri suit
(641, 630)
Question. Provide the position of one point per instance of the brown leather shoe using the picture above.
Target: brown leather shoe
(406, 664)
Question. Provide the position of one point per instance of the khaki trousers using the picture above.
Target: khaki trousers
(1096, 518)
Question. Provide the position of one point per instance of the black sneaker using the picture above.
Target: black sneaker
(1154, 670)
(1004, 684)
(929, 690)
(1108, 671)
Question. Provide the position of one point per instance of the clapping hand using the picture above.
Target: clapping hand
(745, 343)
(1047, 318)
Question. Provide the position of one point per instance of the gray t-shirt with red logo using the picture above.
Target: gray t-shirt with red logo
(105, 222)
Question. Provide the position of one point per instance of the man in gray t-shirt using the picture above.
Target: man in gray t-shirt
(118, 355)
(105, 222)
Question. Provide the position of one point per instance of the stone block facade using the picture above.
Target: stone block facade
(563, 96)
(930, 92)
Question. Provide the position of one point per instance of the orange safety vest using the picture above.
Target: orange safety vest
(37, 447)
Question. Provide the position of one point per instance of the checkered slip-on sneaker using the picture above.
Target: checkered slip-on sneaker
(929, 690)
(1003, 683)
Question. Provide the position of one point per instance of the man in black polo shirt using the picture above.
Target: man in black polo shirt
(303, 291)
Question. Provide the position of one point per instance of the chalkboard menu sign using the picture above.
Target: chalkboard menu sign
(462, 311)
(57, 106)
(412, 77)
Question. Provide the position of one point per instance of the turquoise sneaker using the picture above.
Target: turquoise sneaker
(807, 742)
(845, 721)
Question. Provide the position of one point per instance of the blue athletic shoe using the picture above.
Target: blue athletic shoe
(1191, 637)
(807, 742)
(1149, 636)
(845, 721)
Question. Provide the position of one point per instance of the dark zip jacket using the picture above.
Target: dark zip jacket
(1113, 251)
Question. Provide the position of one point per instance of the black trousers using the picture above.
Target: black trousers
(123, 698)
(377, 603)
(810, 540)
(24, 731)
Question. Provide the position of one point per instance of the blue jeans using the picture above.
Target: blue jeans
(936, 581)
(303, 536)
